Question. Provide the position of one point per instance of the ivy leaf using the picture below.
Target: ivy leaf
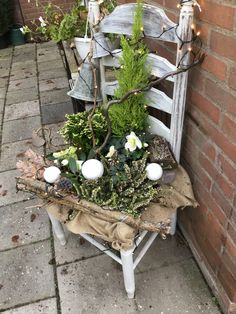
(91, 154)
(82, 156)
(72, 165)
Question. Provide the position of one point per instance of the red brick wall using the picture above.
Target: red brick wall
(209, 148)
(31, 12)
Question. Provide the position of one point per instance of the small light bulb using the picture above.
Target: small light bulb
(141, 28)
(79, 68)
(122, 67)
(192, 26)
(178, 5)
(189, 49)
(135, 93)
(198, 33)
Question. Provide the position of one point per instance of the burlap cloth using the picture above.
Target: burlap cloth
(178, 194)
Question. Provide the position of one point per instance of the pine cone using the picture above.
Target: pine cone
(64, 184)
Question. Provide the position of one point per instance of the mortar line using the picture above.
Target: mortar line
(25, 304)
(25, 245)
(5, 99)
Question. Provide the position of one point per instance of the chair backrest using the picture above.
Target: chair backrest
(157, 26)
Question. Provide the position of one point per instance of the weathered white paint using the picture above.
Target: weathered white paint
(158, 127)
(154, 22)
(159, 100)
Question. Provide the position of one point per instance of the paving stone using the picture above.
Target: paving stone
(6, 52)
(17, 96)
(27, 225)
(49, 65)
(93, 286)
(2, 92)
(5, 62)
(26, 54)
(23, 74)
(12, 152)
(48, 306)
(22, 110)
(44, 56)
(8, 193)
(27, 275)
(21, 84)
(163, 253)
(75, 249)
(47, 44)
(47, 50)
(1, 105)
(25, 47)
(56, 112)
(4, 72)
(53, 84)
(49, 74)
(21, 129)
(3, 81)
(30, 64)
(56, 138)
(54, 96)
(176, 289)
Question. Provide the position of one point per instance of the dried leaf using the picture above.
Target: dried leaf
(32, 217)
(37, 140)
(3, 193)
(15, 238)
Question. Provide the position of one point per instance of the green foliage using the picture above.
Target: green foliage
(132, 113)
(76, 130)
(128, 190)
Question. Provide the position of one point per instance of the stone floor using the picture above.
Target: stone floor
(38, 276)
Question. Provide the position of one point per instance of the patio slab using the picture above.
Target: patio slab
(21, 129)
(53, 84)
(54, 96)
(56, 112)
(93, 286)
(75, 249)
(23, 224)
(21, 84)
(22, 110)
(12, 152)
(27, 275)
(175, 289)
(48, 306)
(8, 191)
(27, 94)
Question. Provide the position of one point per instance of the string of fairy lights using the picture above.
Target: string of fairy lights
(195, 41)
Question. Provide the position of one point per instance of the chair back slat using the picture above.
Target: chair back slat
(155, 21)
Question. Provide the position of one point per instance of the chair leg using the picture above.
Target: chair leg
(58, 229)
(128, 272)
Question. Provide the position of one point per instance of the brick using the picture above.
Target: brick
(203, 28)
(221, 200)
(223, 45)
(231, 248)
(207, 107)
(229, 128)
(214, 134)
(215, 66)
(227, 168)
(233, 217)
(217, 14)
(232, 78)
(208, 166)
(209, 150)
(197, 79)
(212, 256)
(225, 186)
(221, 96)
(228, 281)
(232, 232)
(215, 233)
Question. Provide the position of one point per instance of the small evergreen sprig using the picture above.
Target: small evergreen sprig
(133, 73)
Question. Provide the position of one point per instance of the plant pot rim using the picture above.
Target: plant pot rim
(83, 39)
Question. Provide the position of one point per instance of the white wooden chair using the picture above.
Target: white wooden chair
(175, 107)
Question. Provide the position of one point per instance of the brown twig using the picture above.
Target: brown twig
(141, 90)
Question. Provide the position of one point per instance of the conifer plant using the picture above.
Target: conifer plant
(133, 73)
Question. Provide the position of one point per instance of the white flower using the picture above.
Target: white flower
(22, 30)
(64, 162)
(132, 142)
(145, 144)
(111, 152)
(79, 164)
(41, 20)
